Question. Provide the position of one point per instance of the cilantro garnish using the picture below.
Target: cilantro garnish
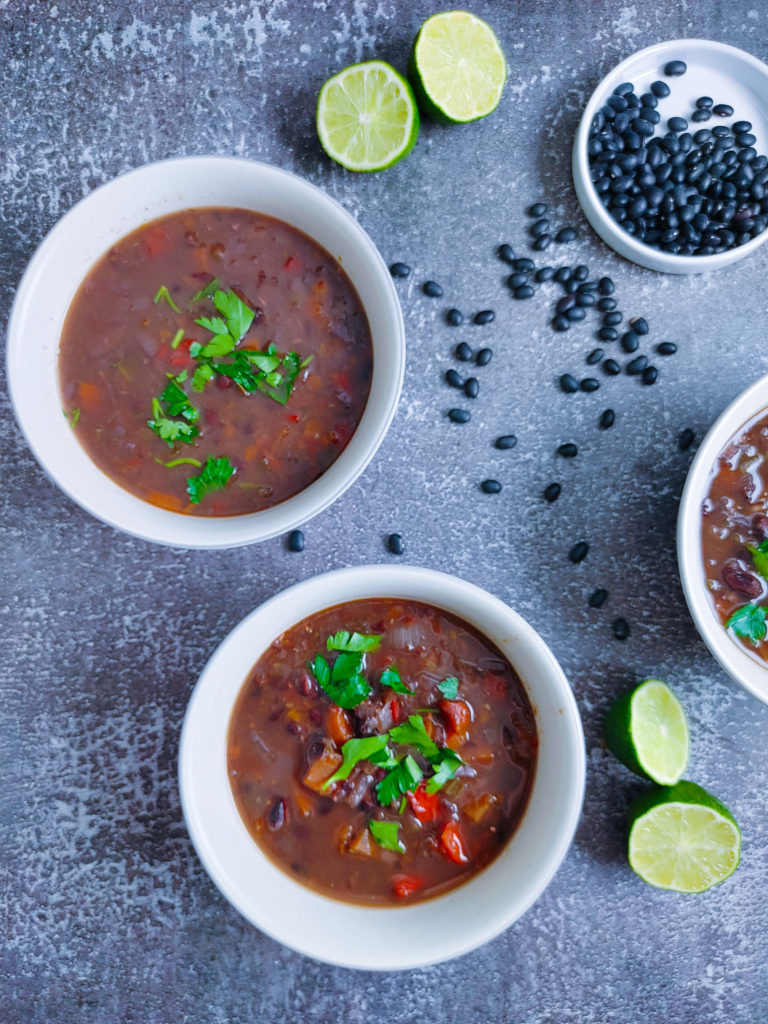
(179, 462)
(214, 476)
(343, 682)
(407, 775)
(170, 430)
(177, 338)
(445, 764)
(449, 687)
(164, 295)
(239, 317)
(391, 677)
(414, 733)
(385, 834)
(749, 622)
(346, 641)
(355, 751)
(207, 290)
(203, 373)
(760, 558)
(176, 401)
(73, 417)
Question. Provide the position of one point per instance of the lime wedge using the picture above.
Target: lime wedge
(646, 729)
(367, 117)
(682, 838)
(457, 68)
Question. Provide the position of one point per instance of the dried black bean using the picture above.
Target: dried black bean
(598, 598)
(563, 274)
(579, 551)
(620, 629)
(607, 334)
(519, 278)
(540, 227)
(295, 540)
(685, 439)
(463, 352)
(581, 273)
(660, 89)
(704, 102)
(569, 384)
(552, 492)
(399, 270)
(485, 316)
(611, 367)
(650, 375)
(606, 304)
(506, 252)
(505, 442)
(589, 384)
(560, 323)
(432, 289)
(605, 286)
(568, 450)
(576, 314)
(490, 486)
(524, 264)
(613, 318)
(723, 110)
(630, 341)
(538, 210)
(454, 317)
(471, 387)
(459, 415)
(607, 419)
(484, 356)
(276, 814)
(566, 235)
(541, 243)
(595, 356)
(545, 274)
(524, 292)
(639, 325)
(637, 365)
(395, 544)
(666, 348)
(675, 68)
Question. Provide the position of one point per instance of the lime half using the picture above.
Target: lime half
(682, 838)
(646, 729)
(367, 117)
(457, 68)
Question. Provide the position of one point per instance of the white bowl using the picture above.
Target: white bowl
(379, 938)
(108, 214)
(737, 662)
(727, 75)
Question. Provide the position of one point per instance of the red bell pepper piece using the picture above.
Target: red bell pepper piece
(453, 844)
(406, 885)
(425, 806)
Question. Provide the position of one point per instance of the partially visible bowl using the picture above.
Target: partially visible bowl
(727, 74)
(747, 670)
(113, 211)
(373, 937)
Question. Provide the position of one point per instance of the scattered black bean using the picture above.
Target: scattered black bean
(723, 110)
(568, 450)
(639, 325)
(595, 356)
(520, 277)
(581, 273)
(650, 375)
(566, 235)
(545, 274)
(611, 367)
(432, 289)
(471, 387)
(459, 415)
(666, 348)
(552, 492)
(524, 264)
(463, 352)
(395, 544)
(589, 384)
(677, 124)
(605, 286)
(613, 318)
(564, 304)
(295, 540)
(506, 252)
(607, 419)
(620, 629)
(454, 317)
(606, 304)
(541, 243)
(454, 378)
(675, 68)
(685, 439)
(637, 365)
(484, 356)
(505, 442)
(704, 102)
(524, 292)
(740, 127)
(630, 341)
(561, 323)
(569, 384)
(660, 89)
(538, 210)
(399, 270)
(485, 316)
(490, 486)
(598, 598)
(607, 334)
(276, 815)
(541, 227)
(576, 314)
(579, 551)
(699, 116)
(563, 274)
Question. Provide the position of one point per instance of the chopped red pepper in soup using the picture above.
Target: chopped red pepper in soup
(215, 362)
(356, 774)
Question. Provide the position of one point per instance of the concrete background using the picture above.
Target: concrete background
(105, 912)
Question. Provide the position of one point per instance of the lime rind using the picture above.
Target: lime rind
(457, 68)
(648, 732)
(367, 117)
(683, 839)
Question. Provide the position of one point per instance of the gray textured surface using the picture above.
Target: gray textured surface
(105, 912)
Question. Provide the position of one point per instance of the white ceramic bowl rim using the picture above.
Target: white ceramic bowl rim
(737, 662)
(379, 938)
(81, 237)
(610, 231)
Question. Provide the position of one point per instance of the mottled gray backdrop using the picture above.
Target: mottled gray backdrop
(105, 913)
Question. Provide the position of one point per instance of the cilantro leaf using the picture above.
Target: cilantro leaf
(760, 558)
(201, 376)
(177, 338)
(355, 751)
(215, 475)
(449, 687)
(239, 317)
(346, 641)
(170, 430)
(344, 685)
(407, 775)
(214, 324)
(385, 834)
(414, 733)
(391, 677)
(207, 290)
(165, 296)
(176, 401)
(445, 764)
(282, 391)
(261, 360)
(749, 622)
